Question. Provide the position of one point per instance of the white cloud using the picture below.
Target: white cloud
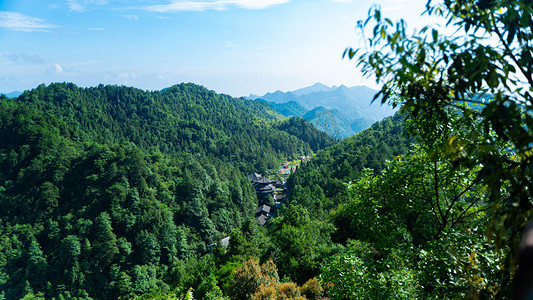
(177, 6)
(58, 69)
(12, 56)
(230, 44)
(131, 17)
(342, 1)
(19, 22)
(33, 59)
(131, 75)
(27, 58)
(83, 5)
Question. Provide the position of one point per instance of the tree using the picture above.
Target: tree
(426, 198)
(149, 250)
(299, 243)
(144, 278)
(359, 274)
(417, 220)
(468, 100)
(105, 244)
(250, 276)
(278, 290)
(70, 249)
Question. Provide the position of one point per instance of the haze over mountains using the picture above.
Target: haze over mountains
(13, 94)
(340, 111)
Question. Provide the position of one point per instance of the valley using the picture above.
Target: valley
(116, 185)
(339, 111)
(113, 192)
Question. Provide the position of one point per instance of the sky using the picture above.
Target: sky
(236, 47)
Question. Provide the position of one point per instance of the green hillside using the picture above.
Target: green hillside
(322, 180)
(118, 193)
(288, 109)
(104, 190)
(331, 121)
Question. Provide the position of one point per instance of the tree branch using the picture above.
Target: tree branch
(462, 214)
(436, 187)
(509, 51)
(456, 198)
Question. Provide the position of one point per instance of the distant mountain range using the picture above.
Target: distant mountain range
(340, 111)
(14, 94)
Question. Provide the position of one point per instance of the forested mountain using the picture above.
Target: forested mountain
(355, 101)
(322, 180)
(117, 193)
(180, 118)
(341, 111)
(288, 109)
(107, 190)
(332, 121)
(300, 128)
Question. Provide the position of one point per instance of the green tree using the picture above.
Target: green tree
(250, 276)
(468, 99)
(362, 273)
(424, 197)
(35, 254)
(418, 218)
(299, 243)
(149, 250)
(168, 238)
(70, 249)
(105, 243)
(144, 278)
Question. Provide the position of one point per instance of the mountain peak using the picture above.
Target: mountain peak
(13, 94)
(317, 87)
(253, 97)
(337, 110)
(320, 85)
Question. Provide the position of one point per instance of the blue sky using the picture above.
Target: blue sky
(236, 47)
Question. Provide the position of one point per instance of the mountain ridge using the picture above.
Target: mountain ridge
(13, 94)
(355, 108)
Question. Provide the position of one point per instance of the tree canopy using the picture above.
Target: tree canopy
(468, 100)
(106, 191)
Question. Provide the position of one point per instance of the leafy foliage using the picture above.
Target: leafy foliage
(468, 101)
(413, 225)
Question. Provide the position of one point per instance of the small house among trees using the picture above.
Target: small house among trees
(263, 210)
(261, 220)
(263, 186)
(270, 194)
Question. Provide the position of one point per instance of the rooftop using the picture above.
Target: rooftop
(261, 220)
(255, 176)
(263, 209)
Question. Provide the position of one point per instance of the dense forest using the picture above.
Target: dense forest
(105, 190)
(103, 200)
(325, 176)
